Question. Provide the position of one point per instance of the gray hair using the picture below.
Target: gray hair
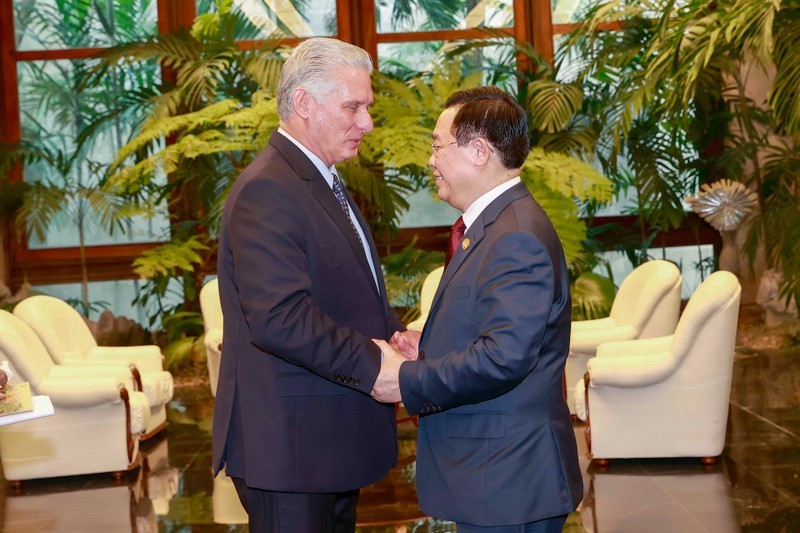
(314, 65)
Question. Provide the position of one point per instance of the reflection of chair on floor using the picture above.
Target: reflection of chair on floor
(69, 341)
(160, 479)
(667, 396)
(225, 502)
(97, 420)
(427, 292)
(635, 502)
(104, 509)
(647, 305)
(212, 323)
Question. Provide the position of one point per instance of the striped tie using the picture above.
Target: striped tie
(338, 190)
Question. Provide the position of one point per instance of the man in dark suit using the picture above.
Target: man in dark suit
(302, 295)
(496, 449)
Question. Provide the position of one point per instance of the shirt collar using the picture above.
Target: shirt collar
(474, 210)
(325, 171)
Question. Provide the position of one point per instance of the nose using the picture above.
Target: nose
(432, 160)
(364, 121)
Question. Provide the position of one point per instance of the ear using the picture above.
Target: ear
(482, 151)
(302, 102)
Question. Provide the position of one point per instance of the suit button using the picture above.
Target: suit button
(356, 381)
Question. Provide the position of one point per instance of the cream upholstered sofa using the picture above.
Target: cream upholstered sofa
(97, 422)
(427, 292)
(666, 396)
(212, 324)
(68, 340)
(647, 305)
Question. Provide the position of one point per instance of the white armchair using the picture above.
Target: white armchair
(647, 305)
(225, 503)
(69, 342)
(667, 396)
(212, 323)
(97, 422)
(427, 292)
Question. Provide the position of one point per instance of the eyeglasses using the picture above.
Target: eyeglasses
(436, 147)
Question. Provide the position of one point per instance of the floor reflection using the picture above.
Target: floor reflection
(755, 487)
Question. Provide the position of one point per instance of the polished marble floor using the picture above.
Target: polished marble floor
(755, 486)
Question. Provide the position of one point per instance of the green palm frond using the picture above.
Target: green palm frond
(552, 105)
(40, 206)
(168, 258)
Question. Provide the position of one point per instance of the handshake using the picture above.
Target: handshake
(403, 346)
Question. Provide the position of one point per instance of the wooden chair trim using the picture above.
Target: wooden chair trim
(123, 393)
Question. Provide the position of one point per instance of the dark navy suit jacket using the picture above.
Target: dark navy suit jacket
(496, 444)
(300, 305)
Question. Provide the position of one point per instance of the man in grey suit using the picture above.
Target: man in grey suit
(302, 295)
(496, 449)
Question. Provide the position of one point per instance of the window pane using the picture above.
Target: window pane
(260, 19)
(694, 262)
(55, 25)
(54, 113)
(116, 296)
(566, 11)
(415, 15)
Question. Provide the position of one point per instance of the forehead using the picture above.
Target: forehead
(444, 123)
(352, 85)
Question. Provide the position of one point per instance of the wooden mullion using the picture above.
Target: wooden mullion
(442, 35)
(10, 131)
(51, 55)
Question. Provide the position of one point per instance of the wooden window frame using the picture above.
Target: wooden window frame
(356, 23)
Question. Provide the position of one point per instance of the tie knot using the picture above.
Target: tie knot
(459, 227)
(456, 235)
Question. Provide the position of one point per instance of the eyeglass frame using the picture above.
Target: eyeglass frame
(436, 147)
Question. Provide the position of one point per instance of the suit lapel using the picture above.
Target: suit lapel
(324, 195)
(475, 234)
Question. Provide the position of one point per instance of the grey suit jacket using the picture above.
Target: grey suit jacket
(496, 444)
(300, 306)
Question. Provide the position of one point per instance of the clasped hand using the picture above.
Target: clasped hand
(404, 347)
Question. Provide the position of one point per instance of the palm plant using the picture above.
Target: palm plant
(216, 113)
(69, 129)
(670, 78)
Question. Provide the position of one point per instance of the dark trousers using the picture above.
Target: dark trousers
(548, 525)
(293, 512)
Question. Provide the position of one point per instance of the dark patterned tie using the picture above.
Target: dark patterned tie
(338, 190)
(456, 235)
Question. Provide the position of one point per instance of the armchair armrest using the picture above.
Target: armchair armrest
(213, 339)
(79, 392)
(634, 347)
(597, 323)
(631, 370)
(587, 341)
(147, 358)
(93, 363)
(119, 373)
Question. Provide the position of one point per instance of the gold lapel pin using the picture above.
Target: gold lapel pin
(465, 244)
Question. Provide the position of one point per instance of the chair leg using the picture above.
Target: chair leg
(709, 461)
(602, 463)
